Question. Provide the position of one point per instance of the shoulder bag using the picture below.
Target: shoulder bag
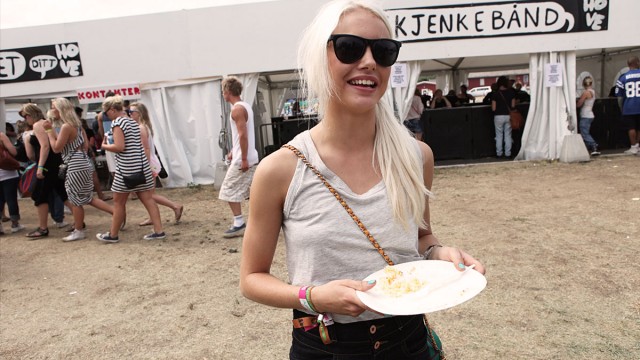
(436, 345)
(7, 161)
(515, 117)
(27, 182)
(137, 178)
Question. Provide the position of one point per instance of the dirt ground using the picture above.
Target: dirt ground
(560, 242)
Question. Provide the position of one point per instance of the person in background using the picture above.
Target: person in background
(585, 103)
(439, 101)
(130, 159)
(487, 98)
(426, 100)
(140, 114)
(104, 130)
(521, 96)
(73, 144)
(628, 93)
(10, 132)
(501, 104)
(57, 208)
(413, 117)
(9, 188)
(243, 155)
(91, 152)
(47, 184)
(377, 168)
(464, 97)
(453, 98)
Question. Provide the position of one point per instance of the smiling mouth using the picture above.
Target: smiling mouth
(365, 83)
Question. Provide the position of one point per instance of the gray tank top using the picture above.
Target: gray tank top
(323, 242)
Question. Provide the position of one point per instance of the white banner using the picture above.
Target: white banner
(97, 95)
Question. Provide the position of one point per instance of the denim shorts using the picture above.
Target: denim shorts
(397, 338)
(413, 125)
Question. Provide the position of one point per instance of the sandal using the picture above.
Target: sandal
(38, 233)
(146, 223)
(106, 198)
(178, 213)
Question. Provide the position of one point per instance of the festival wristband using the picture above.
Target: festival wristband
(42, 168)
(302, 296)
(48, 130)
(308, 296)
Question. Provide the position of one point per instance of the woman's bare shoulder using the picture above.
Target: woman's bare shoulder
(427, 153)
(280, 164)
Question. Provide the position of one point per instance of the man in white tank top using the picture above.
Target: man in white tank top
(243, 156)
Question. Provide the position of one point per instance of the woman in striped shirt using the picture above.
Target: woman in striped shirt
(126, 143)
(73, 144)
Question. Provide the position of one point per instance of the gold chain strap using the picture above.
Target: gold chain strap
(363, 228)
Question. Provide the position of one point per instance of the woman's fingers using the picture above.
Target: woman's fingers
(340, 297)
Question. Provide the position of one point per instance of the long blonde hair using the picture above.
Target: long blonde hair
(395, 150)
(67, 112)
(144, 115)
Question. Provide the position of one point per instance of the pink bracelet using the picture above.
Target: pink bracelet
(302, 296)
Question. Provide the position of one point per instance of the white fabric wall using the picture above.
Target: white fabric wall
(187, 119)
(552, 114)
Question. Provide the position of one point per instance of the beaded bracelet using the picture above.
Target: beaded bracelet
(302, 296)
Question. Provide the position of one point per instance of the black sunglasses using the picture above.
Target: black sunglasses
(351, 48)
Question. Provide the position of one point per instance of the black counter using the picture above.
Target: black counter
(468, 132)
(464, 132)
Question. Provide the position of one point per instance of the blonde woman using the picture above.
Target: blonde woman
(126, 143)
(73, 144)
(585, 103)
(140, 114)
(380, 171)
(38, 149)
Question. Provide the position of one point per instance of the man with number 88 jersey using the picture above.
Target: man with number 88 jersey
(628, 92)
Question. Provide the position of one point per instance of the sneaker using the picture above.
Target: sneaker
(72, 228)
(15, 229)
(235, 231)
(106, 237)
(61, 224)
(633, 150)
(594, 151)
(75, 235)
(155, 236)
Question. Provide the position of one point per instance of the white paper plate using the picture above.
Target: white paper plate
(445, 287)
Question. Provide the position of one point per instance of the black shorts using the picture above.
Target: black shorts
(51, 182)
(630, 122)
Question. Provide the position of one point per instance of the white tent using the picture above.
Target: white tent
(178, 58)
